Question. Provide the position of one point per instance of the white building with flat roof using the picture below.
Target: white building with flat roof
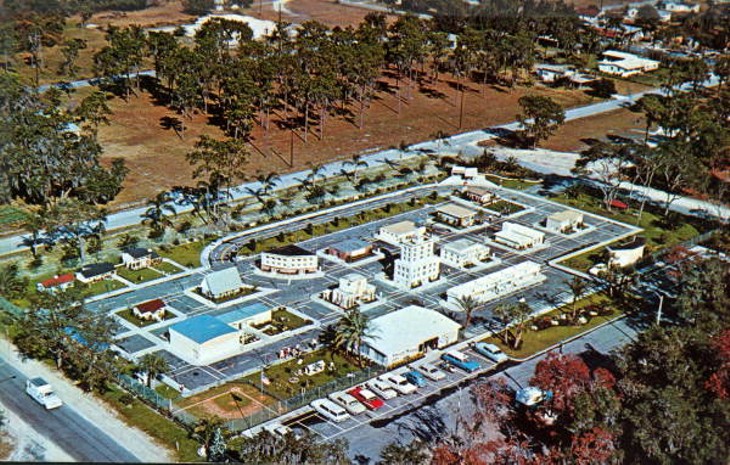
(463, 253)
(400, 232)
(417, 263)
(353, 290)
(563, 221)
(625, 64)
(391, 344)
(518, 237)
(498, 284)
(289, 260)
(456, 215)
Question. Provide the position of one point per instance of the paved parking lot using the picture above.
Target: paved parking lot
(297, 294)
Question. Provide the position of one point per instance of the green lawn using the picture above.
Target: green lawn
(129, 316)
(535, 341)
(185, 254)
(281, 375)
(504, 207)
(10, 216)
(167, 392)
(242, 293)
(166, 431)
(101, 287)
(138, 276)
(167, 268)
(281, 321)
(516, 184)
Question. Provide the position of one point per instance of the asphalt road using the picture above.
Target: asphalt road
(64, 426)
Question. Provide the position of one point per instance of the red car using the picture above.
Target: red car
(366, 397)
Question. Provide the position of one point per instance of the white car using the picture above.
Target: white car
(277, 429)
(491, 351)
(399, 383)
(430, 371)
(381, 388)
(330, 410)
(352, 405)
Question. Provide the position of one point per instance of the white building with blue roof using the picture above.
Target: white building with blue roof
(254, 314)
(204, 339)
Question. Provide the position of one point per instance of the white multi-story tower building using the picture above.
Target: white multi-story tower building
(417, 263)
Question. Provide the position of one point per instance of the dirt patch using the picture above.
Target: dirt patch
(155, 154)
(328, 12)
(237, 402)
(164, 14)
(574, 135)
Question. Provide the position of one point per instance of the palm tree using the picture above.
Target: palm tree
(578, 288)
(205, 430)
(155, 216)
(268, 182)
(357, 162)
(33, 224)
(352, 329)
(154, 365)
(467, 304)
(517, 314)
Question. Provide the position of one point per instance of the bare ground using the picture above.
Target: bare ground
(575, 135)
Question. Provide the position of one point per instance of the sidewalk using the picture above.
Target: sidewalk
(89, 407)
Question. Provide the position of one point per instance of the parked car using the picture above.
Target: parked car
(491, 351)
(366, 397)
(330, 410)
(461, 361)
(350, 404)
(430, 371)
(399, 383)
(277, 429)
(416, 378)
(382, 389)
(42, 392)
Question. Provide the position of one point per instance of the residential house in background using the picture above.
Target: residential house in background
(151, 310)
(58, 282)
(625, 64)
(137, 258)
(95, 272)
(480, 195)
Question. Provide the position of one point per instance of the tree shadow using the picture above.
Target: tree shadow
(432, 93)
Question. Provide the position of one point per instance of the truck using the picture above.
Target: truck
(42, 392)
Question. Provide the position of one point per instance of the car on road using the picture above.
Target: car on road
(461, 361)
(382, 389)
(366, 397)
(42, 392)
(399, 383)
(416, 378)
(330, 410)
(350, 404)
(491, 351)
(431, 372)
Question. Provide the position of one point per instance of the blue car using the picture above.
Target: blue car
(460, 361)
(415, 378)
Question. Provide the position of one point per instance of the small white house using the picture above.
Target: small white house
(204, 339)
(626, 254)
(551, 73)
(564, 221)
(480, 195)
(466, 172)
(400, 232)
(456, 215)
(150, 310)
(679, 7)
(408, 333)
(222, 283)
(518, 237)
(463, 253)
(353, 290)
(137, 258)
(58, 282)
(95, 272)
(625, 64)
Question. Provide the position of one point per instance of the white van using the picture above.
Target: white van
(42, 392)
(330, 410)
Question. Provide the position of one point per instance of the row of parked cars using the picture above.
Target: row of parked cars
(372, 395)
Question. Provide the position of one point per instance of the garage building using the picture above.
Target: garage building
(204, 339)
(427, 330)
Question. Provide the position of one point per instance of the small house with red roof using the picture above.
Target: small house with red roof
(61, 282)
(150, 310)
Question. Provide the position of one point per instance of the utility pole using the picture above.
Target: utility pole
(461, 109)
(291, 149)
(659, 310)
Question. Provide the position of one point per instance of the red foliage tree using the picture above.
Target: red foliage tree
(680, 259)
(719, 381)
(564, 375)
(594, 447)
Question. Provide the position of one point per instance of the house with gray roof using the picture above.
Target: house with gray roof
(222, 283)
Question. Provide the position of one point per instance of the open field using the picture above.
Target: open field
(573, 136)
(185, 254)
(155, 154)
(138, 276)
(229, 401)
(328, 12)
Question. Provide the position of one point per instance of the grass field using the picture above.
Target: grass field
(185, 254)
(11, 216)
(504, 207)
(517, 184)
(284, 383)
(282, 320)
(167, 268)
(138, 276)
(167, 432)
(535, 341)
(100, 287)
(575, 135)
